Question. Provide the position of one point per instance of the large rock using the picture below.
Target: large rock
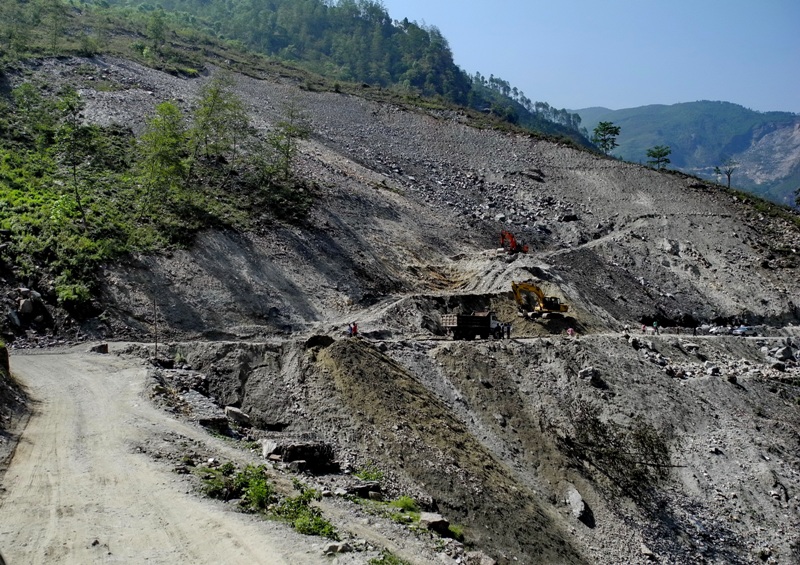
(203, 410)
(235, 414)
(575, 501)
(478, 558)
(318, 455)
(578, 506)
(784, 354)
(101, 348)
(434, 522)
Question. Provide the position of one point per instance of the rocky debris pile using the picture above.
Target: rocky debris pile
(28, 318)
(184, 391)
(777, 359)
(300, 454)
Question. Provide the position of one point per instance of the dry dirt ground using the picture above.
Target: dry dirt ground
(410, 204)
(92, 480)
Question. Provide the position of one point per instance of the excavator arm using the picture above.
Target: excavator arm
(532, 301)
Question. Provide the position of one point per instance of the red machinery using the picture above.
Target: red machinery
(509, 243)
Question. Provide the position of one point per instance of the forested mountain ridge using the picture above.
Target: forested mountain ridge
(356, 41)
(703, 135)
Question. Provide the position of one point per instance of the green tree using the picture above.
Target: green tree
(162, 153)
(284, 140)
(659, 156)
(605, 136)
(727, 168)
(74, 142)
(220, 120)
(157, 29)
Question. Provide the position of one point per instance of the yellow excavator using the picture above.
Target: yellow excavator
(533, 303)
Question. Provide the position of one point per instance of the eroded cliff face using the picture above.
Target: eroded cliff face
(774, 153)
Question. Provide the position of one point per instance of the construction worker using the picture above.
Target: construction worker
(355, 329)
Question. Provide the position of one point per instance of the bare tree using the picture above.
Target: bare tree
(727, 168)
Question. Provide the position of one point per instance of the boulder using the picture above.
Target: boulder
(235, 414)
(434, 522)
(25, 306)
(575, 501)
(578, 507)
(317, 455)
(268, 447)
(478, 558)
(784, 354)
(99, 348)
(337, 547)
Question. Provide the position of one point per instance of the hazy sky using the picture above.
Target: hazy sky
(625, 53)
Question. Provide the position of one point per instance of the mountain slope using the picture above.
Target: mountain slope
(409, 204)
(702, 135)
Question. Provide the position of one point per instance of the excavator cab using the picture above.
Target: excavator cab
(510, 244)
(532, 301)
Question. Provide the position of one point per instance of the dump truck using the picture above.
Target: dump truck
(467, 326)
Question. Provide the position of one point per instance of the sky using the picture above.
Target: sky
(618, 54)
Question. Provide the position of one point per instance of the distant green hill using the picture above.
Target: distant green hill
(702, 135)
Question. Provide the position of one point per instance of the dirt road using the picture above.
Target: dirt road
(77, 491)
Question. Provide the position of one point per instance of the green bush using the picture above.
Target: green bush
(304, 517)
(370, 472)
(406, 504)
(387, 558)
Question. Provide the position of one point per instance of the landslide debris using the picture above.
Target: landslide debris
(405, 229)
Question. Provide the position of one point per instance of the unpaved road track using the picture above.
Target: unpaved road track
(78, 492)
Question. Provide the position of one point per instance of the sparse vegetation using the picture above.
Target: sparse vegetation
(304, 517)
(370, 472)
(259, 495)
(77, 195)
(635, 458)
(387, 558)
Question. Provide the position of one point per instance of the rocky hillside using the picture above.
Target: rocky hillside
(703, 135)
(504, 437)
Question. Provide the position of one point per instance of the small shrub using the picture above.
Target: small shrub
(304, 517)
(387, 558)
(259, 494)
(405, 504)
(456, 532)
(370, 472)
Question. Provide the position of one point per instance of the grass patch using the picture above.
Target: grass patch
(303, 516)
(259, 495)
(405, 504)
(387, 558)
(370, 472)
